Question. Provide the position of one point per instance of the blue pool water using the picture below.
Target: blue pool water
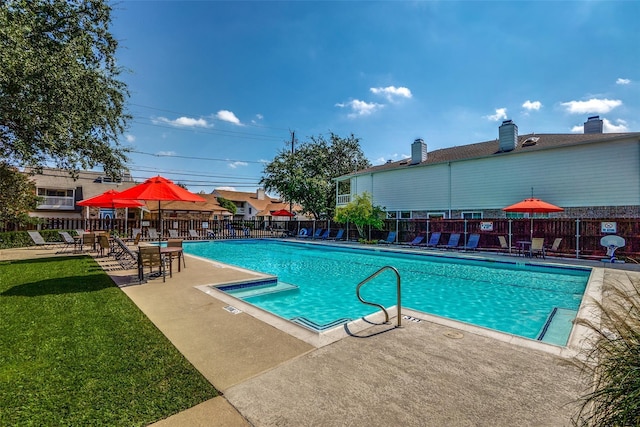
(319, 285)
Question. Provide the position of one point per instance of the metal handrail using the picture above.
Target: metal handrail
(374, 275)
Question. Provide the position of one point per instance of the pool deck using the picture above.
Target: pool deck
(423, 374)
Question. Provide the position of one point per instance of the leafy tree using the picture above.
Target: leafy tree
(362, 212)
(60, 98)
(17, 196)
(228, 205)
(305, 176)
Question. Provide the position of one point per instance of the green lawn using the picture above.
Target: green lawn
(74, 350)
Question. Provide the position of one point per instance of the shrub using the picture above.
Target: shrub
(612, 364)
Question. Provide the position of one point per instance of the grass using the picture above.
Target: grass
(612, 365)
(76, 351)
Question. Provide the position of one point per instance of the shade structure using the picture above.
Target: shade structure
(532, 205)
(282, 212)
(160, 189)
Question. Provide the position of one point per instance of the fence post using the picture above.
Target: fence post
(510, 235)
(578, 238)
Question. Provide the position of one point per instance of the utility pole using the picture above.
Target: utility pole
(293, 139)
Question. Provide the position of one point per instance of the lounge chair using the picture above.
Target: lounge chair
(303, 233)
(135, 232)
(68, 242)
(39, 240)
(317, 234)
(472, 243)
(153, 233)
(79, 231)
(554, 247)
(125, 256)
(193, 234)
(339, 235)
(173, 234)
(417, 241)
(434, 240)
(454, 239)
(504, 246)
(391, 238)
(150, 256)
(211, 234)
(325, 235)
(537, 247)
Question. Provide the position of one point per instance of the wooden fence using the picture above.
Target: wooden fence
(580, 237)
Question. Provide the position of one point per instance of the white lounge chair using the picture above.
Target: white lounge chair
(39, 240)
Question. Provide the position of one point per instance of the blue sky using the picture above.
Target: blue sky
(217, 87)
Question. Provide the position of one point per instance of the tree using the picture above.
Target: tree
(60, 100)
(361, 211)
(17, 196)
(305, 176)
(228, 205)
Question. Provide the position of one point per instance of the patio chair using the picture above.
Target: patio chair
(135, 232)
(79, 231)
(153, 233)
(554, 246)
(391, 238)
(173, 234)
(104, 244)
(434, 240)
(338, 235)
(68, 242)
(89, 239)
(537, 247)
(472, 243)
(39, 240)
(417, 241)
(150, 256)
(454, 239)
(504, 246)
(176, 243)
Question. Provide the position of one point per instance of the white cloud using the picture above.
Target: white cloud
(608, 127)
(393, 157)
(360, 108)
(234, 165)
(593, 105)
(392, 92)
(501, 114)
(228, 116)
(259, 116)
(621, 81)
(130, 138)
(529, 105)
(226, 188)
(182, 122)
(166, 153)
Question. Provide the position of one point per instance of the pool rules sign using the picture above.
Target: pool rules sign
(608, 227)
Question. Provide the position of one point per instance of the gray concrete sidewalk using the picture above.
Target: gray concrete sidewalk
(423, 374)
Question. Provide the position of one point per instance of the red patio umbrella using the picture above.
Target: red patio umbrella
(531, 206)
(282, 212)
(110, 199)
(159, 188)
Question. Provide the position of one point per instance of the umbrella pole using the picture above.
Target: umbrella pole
(161, 228)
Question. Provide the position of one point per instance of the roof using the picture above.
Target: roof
(248, 197)
(272, 207)
(534, 142)
(211, 205)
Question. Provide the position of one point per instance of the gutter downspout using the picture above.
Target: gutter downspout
(449, 164)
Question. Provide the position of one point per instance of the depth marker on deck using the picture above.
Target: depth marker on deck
(232, 309)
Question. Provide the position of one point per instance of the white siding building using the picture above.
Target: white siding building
(590, 175)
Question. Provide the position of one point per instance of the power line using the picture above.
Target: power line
(196, 158)
(209, 131)
(140, 168)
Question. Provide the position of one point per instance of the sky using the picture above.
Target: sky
(218, 88)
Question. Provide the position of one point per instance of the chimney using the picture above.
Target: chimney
(260, 193)
(418, 151)
(508, 134)
(593, 125)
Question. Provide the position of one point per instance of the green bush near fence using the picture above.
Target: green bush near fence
(21, 239)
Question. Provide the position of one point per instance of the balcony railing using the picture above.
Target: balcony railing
(57, 202)
(343, 199)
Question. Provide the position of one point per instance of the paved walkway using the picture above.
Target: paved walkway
(423, 374)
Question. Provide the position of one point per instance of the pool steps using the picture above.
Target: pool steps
(559, 321)
(257, 288)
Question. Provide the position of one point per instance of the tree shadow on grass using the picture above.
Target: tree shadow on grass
(93, 279)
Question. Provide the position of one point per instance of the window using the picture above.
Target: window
(471, 215)
(435, 215)
(56, 198)
(405, 214)
(392, 215)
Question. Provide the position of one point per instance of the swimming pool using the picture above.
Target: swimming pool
(317, 286)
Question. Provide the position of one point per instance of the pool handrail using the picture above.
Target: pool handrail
(399, 302)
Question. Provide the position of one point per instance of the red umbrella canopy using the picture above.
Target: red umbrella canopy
(282, 212)
(533, 205)
(160, 188)
(110, 199)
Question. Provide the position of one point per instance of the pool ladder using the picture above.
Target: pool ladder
(373, 276)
